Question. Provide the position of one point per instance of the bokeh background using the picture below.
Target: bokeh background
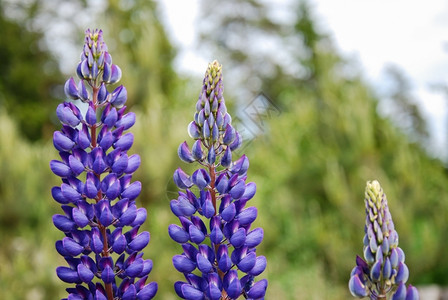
(315, 131)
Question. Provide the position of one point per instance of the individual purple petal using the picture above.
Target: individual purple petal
(207, 209)
(60, 169)
(412, 293)
(70, 89)
(259, 267)
(249, 191)
(148, 291)
(229, 212)
(201, 178)
(102, 93)
(140, 217)
(254, 237)
(240, 166)
(106, 217)
(82, 91)
(237, 142)
(226, 159)
(387, 269)
(132, 191)
(140, 241)
(95, 242)
(129, 215)
(124, 142)
(234, 288)
(400, 293)
(67, 116)
(184, 153)
(130, 293)
(99, 295)
(79, 217)
(114, 189)
(211, 157)
(75, 165)
(178, 288)
(72, 247)
(115, 74)
(238, 238)
(196, 150)
(203, 264)
(196, 235)
(58, 196)
(222, 184)
(356, 287)
(258, 290)
(98, 165)
(215, 132)
(181, 179)
(237, 191)
(107, 275)
(247, 216)
(67, 275)
(120, 165)
(135, 268)
(127, 121)
(110, 118)
(83, 138)
(229, 135)
(147, 268)
(63, 223)
(248, 262)
(133, 164)
(194, 130)
(119, 96)
(183, 264)
(402, 273)
(106, 72)
(119, 244)
(191, 293)
(90, 116)
(84, 273)
(368, 255)
(224, 262)
(62, 142)
(178, 234)
(375, 271)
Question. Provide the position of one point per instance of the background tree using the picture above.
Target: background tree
(310, 164)
(29, 74)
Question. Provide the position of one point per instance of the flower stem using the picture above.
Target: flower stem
(212, 171)
(105, 253)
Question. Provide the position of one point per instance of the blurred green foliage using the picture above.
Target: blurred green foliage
(310, 164)
(28, 76)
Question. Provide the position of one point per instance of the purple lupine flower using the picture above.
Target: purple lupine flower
(382, 271)
(100, 220)
(215, 225)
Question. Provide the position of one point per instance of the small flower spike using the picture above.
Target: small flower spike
(102, 244)
(382, 272)
(219, 259)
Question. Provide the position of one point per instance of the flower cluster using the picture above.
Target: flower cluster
(215, 195)
(100, 221)
(383, 271)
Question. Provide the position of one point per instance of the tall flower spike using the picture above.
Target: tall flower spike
(215, 225)
(102, 245)
(382, 271)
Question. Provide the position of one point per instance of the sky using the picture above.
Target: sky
(412, 35)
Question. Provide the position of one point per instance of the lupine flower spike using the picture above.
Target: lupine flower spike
(219, 258)
(102, 245)
(382, 272)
